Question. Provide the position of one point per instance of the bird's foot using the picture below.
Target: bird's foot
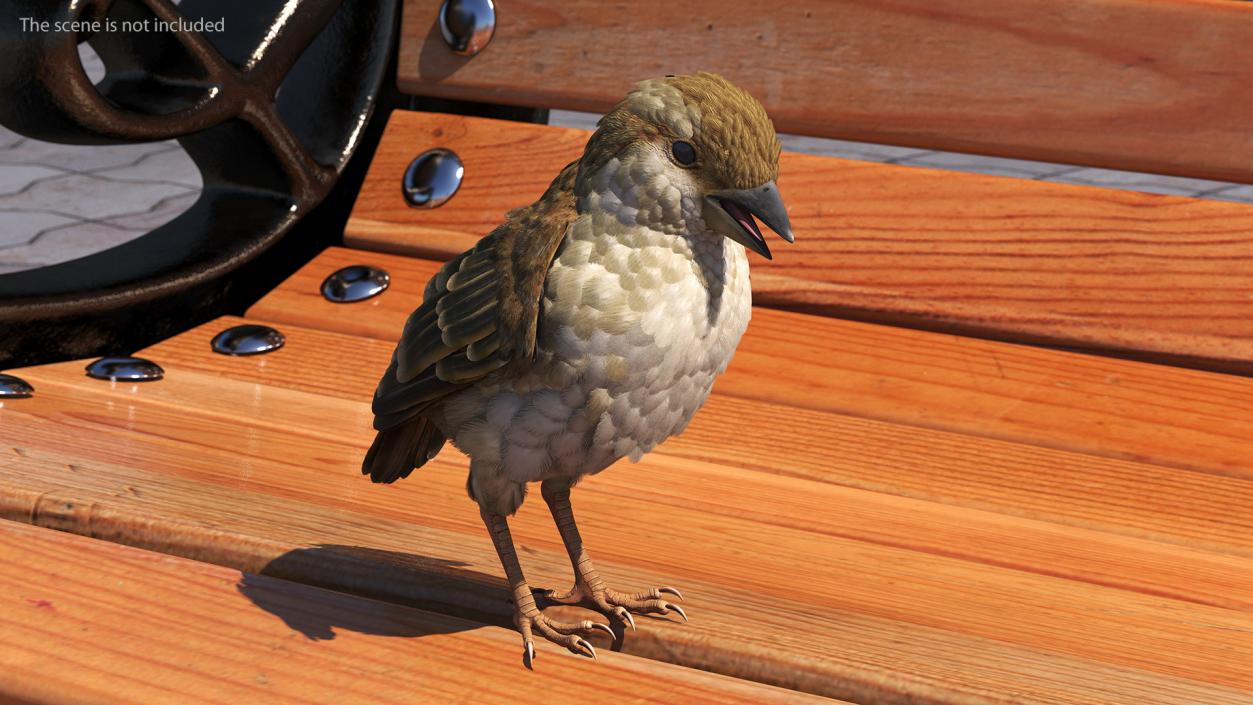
(620, 605)
(532, 621)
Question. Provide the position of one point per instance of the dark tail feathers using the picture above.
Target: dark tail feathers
(398, 450)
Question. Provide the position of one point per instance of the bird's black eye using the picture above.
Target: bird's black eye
(684, 153)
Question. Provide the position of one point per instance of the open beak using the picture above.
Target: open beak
(731, 213)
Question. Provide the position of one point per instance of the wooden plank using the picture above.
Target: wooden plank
(93, 622)
(1142, 275)
(1114, 408)
(1127, 84)
(223, 465)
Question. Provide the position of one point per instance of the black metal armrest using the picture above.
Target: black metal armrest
(271, 109)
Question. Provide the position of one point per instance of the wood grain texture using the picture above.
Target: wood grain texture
(87, 621)
(1114, 408)
(850, 593)
(1035, 546)
(1157, 277)
(1147, 86)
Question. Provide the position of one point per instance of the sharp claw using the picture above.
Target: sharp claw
(583, 644)
(672, 591)
(605, 628)
(530, 654)
(676, 608)
(624, 612)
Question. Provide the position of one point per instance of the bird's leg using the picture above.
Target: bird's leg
(589, 588)
(526, 615)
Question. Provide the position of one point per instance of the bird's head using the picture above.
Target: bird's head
(689, 147)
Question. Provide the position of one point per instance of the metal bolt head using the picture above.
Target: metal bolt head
(125, 369)
(247, 339)
(355, 283)
(432, 178)
(467, 25)
(14, 387)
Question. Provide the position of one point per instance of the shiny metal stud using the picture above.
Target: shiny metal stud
(467, 25)
(248, 339)
(432, 178)
(125, 369)
(14, 388)
(356, 283)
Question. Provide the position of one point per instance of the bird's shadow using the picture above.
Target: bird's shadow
(395, 581)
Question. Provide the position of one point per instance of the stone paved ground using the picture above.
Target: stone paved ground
(61, 202)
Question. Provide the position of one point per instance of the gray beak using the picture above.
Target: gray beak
(731, 212)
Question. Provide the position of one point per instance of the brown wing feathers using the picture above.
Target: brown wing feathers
(479, 313)
(397, 451)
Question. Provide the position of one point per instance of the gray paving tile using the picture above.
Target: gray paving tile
(79, 157)
(20, 228)
(977, 164)
(15, 177)
(863, 151)
(1134, 181)
(171, 166)
(9, 139)
(66, 243)
(91, 62)
(1242, 194)
(158, 214)
(89, 197)
(571, 118)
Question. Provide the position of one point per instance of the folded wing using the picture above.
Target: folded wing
(479, 313)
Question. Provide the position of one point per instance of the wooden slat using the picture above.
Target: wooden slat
(1148, 86)
(1143, 275)
(230, 466)
(86, 621)
(1114, 408)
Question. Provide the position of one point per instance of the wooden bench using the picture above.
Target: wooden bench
(973, 515)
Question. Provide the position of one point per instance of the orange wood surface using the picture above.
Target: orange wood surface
(841, 591)
(1122, 409)
(865, 514)
(1154, 85)
(1158, 277)
(87, 621)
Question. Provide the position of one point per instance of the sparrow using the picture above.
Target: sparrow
(590, 325)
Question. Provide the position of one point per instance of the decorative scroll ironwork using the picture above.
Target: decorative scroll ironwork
(270, 107)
